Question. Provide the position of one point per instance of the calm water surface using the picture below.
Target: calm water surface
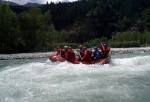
(125, 79)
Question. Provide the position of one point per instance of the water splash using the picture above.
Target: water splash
(124, 79)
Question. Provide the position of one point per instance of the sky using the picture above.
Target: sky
(22, 2)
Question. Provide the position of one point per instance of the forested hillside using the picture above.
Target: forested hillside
(120, 23)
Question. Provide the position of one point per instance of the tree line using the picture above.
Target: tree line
(123, 23)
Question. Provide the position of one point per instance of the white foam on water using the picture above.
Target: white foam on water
(43, 81)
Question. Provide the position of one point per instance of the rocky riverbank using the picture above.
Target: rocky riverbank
(24, 56)
(47, 54)
(129, 50)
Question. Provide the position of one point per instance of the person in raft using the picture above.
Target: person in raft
(107, 49)
(104, 49)
(58, 50)
(97, 54)
(81, 51)
(87, 55)
(61, 52)
(70, 55)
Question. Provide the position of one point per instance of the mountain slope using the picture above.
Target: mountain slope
(10, 3)
(32, 4)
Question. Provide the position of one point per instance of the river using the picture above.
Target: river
(125, 79)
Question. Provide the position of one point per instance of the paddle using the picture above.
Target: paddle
(104, 61)
(56, 50)
(103, 49)
(79, 55)
(104, 54)
(60, 53)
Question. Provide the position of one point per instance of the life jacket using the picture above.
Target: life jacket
(81, 51)
(87, 55)
(61, 52)
(97, 54)
(58, 53)
(70, 56)
(107, 49)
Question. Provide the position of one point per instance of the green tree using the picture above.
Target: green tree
(44, 35)
(8, 28)
(62, 36)
(37, 29)
(30, 23)
(146, 19)
(53, 34)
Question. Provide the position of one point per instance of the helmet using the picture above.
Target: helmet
(65, 47)
(80, 46)
(95, 47)
(105, 44)
(84, 47)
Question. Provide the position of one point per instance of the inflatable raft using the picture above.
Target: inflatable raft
(55, 58)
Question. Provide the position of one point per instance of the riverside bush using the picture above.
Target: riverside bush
(124, 44)
(73, 45)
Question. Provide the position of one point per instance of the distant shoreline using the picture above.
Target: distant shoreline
(47, 54)
(130, 50)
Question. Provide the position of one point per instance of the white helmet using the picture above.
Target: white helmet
(65, 47)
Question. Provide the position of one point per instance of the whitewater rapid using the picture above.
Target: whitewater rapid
(125, 79)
